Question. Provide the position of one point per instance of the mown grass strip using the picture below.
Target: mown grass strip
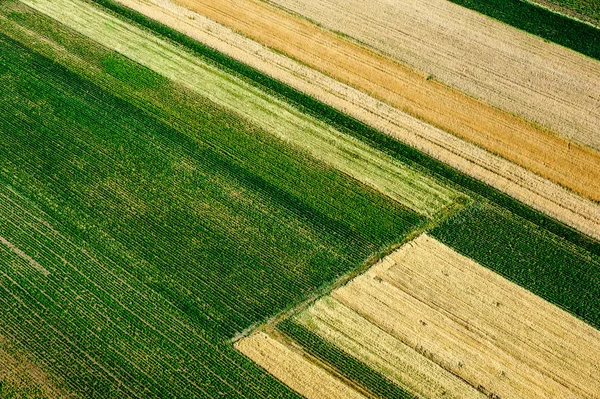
(528, 256)
(581, 8)
(358, 129)
(539, 21)
(346, 364)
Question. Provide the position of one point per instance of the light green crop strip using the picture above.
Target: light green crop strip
(415, 190)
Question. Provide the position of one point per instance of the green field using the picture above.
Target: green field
(158, 198)
(135, 249)
(542, 22)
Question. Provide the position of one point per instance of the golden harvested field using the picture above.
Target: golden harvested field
(468, 158)
(488, 331)
(293, 369)
(487, 59)
(384, 353)
(538, 150)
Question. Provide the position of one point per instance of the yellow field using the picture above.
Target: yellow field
(479, 326)
(440, 325)
(468, 158)
(384, 353)
(485, 58)
(293, 369)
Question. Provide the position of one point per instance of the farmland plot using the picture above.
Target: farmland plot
(134, 249)
(536, 149)
(426, 315)
(487, 59)
(468, 158)
(370, 166)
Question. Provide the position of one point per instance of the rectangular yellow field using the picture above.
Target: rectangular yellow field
(382, 352)
(495, 335)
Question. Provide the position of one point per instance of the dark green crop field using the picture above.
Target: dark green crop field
(529, 256)
(548, 25)
(135, 249)
(143, 227)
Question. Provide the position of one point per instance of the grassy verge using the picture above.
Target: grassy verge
(347, 365)
(541, 22)
(528, 256)
(358, 129)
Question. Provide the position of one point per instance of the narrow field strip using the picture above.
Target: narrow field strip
(292, 368)
(372, 167)
(497, 336)
(535, 149)
(516, 181)
(506, 67)
(22, 378)
(385, 354)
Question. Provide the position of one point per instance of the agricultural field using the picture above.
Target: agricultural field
(437, 324)
(413, 93)
(540, 81)
(192, 208)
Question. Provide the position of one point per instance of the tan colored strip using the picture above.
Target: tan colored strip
(385, 354)
(478, 325)
(468, 158)
(293, 369)
(32, 262)
(485, 58)
(570, 165)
